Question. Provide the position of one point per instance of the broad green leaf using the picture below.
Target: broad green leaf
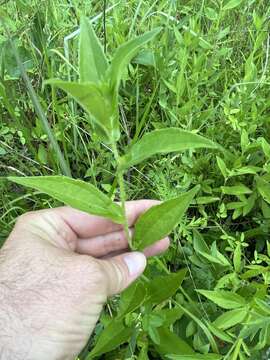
(170, 315)
(195, 357)
(264, 189)
(164, 141)
(75, 193)
(199, 243)
(97, 101)
(145, 57)
(132, 298)
(236, 190)
(230, 318)
(159, 220)
(232, 4)
(115, 334)
(224, 299)
(265, 147)
(92, 61)
(124, 54)
(170, 343)
(158, 292)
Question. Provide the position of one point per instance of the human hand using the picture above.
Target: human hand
(57, 269)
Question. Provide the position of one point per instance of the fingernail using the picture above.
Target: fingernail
(135, 262)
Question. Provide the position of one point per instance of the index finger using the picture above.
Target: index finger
(85, 225)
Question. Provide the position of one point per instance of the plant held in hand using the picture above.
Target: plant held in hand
(97, 93)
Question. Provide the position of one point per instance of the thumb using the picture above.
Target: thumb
(120, 271)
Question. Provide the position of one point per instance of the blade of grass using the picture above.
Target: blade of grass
(62, 161)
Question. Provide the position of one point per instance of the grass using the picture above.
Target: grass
(208, 72)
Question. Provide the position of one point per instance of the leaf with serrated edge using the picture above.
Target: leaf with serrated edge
(75, 193)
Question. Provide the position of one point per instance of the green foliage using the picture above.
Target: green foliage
(206, 72)
(160, 220)
(76, 193)
(92, 60)
(162, 142)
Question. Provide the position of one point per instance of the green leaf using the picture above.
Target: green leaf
(219, 333)
(158, 292)
(199, 243)
(97, 101)
(132, 298)
(224, 299)
(170, 315)
(92, 61)
(195, 357)
(231, 4)
(265, 147)
(237, 258)
(76, 193)
(264, 189)
(170, 343)
(222, 167)
(230, 318)
(236, 190)
(245, 170)
(159, 220)
(115, 334)
(124, 54)
(164, 141)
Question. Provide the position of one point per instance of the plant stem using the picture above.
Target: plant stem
(120, 179)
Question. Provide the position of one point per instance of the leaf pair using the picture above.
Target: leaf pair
(152, 226)
(97, 91)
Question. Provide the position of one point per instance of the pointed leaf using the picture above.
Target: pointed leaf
(115, 334)
(132, 298)
(236, 190)
(76, 193)
(222, 167)
(170, 315)
(230, 318)
(164, 141)
(96, 100)
(170, 343)
(231, 4)
(160, 220)
(224, 299)
(264, 189)
(158, 292)
(124, 54)
(92, 61)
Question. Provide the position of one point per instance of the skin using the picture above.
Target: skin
(57, 269)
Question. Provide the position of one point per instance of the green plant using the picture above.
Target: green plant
(207, 72)
(97, 93)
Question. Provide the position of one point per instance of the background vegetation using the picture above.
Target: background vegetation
(207, 71)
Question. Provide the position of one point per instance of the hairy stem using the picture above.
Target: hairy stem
(120, 179)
